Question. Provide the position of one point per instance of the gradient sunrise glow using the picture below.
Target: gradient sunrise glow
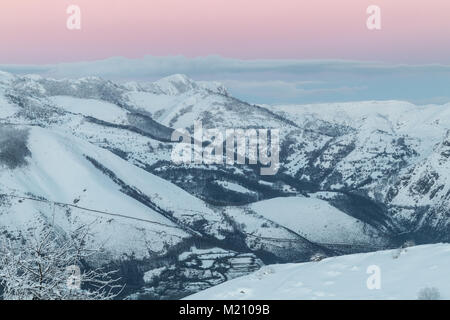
(413, 31)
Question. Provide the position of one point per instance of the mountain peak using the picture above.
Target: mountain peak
(177, 78)
(6, 77)
(177, 84)
(174, 84)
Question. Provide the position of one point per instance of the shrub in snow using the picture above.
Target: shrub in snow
(396, 253)
(403, 249)
(43, 264)
(409, 243)
(13, 147)
(429, 294)
(261, 273)
(317, 257)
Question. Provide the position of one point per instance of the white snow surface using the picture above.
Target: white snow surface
(91, 107)
(59, 171)
(311, 218)
(403, 274)
(315, 220)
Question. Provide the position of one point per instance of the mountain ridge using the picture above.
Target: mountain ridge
(379, 170)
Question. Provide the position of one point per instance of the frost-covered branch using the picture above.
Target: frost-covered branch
(47, 265)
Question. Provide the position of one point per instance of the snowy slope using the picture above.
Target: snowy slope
(403, 274)
(90, 107)
(315, 220)
(57, 170)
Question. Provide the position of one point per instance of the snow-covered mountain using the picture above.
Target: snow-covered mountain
(354, 177)
(402, 274)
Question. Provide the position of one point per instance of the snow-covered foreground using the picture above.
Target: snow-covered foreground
(403, 274)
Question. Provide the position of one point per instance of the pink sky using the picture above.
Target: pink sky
(413, 31)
